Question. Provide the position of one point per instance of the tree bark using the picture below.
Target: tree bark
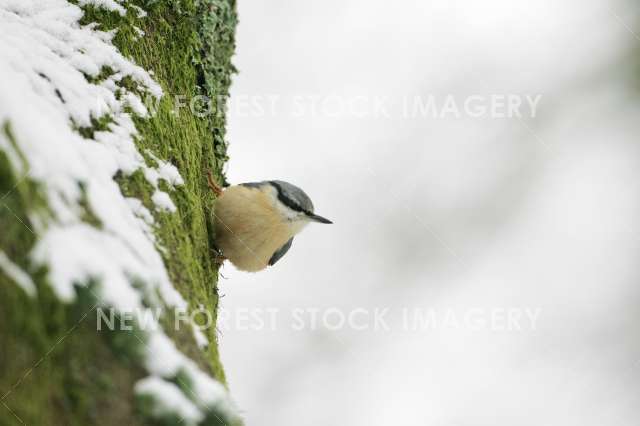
(56, 368)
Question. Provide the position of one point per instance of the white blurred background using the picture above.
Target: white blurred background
(443, 213)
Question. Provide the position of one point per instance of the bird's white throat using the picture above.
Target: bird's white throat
(297, 220)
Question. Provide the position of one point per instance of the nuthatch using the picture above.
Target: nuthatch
(255, 222)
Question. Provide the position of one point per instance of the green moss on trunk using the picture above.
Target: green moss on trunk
(56, 368)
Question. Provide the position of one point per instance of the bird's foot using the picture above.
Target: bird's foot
(215, 188)
(218, 256)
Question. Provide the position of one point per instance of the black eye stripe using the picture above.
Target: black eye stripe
(284, 199)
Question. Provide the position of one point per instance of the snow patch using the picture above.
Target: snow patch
(144, 216)
(141, 13)
(201, 339)
(140, 33)
(111, 5)
(167, 171)
(166, 361)
(163, 202)
(169, 399)
(17, 275)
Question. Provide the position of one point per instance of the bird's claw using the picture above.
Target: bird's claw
(218, 256)
(215, 188)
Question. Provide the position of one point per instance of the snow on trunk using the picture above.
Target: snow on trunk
(46, 61)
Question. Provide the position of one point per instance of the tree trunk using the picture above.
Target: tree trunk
(72, 254)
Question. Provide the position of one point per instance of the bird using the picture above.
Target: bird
(255, 222)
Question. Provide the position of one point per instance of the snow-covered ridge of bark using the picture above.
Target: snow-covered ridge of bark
(45, 56)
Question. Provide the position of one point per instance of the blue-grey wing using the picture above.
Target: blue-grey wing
(280, 252)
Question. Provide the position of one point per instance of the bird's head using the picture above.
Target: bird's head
(292, 202)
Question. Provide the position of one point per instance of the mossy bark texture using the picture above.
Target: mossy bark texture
(55, 367)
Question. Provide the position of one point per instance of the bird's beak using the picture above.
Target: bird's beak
(319, 219)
